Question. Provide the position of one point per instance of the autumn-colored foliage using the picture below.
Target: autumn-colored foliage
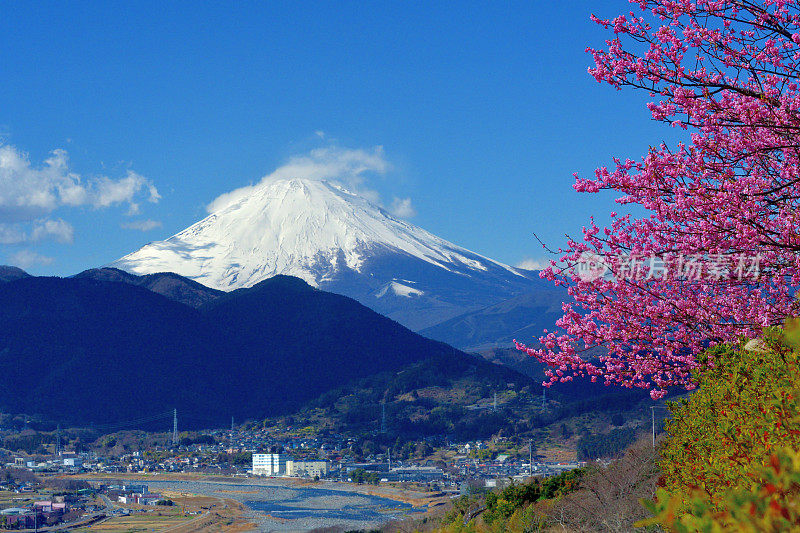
(746, 408)
(772, 504)
(731, 459)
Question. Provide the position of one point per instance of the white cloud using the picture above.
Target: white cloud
(401, 207)
(27, 258)
(106, 191)
(57, 229)
(12, 234)
(28, 192)
(142, 225)
(40, 229)
(533, 264)
(347, 166)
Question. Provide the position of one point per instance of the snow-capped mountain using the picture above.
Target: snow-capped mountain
(337, 241)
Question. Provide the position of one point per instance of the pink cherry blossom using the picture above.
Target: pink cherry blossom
(727, 72)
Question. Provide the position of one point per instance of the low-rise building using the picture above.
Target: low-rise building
(73, 461)
(307, 468)
(269, 464)
(414, 473)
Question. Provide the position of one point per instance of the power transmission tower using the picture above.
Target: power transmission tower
(231, 423)
(495, 401)
(58, 440)
(175, 427)
(544, 399)
(530, 458)
(383, 417)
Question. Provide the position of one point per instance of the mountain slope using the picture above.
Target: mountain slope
(83, 350)
(167, 284)
(316, 339)
(523, 318)
(339, 242)
(90, 351)
(10, 273)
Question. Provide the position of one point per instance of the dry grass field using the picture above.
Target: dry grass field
(189, 514)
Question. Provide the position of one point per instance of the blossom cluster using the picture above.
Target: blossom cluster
(726, 72)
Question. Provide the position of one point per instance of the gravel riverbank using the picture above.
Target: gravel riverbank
(281, 506)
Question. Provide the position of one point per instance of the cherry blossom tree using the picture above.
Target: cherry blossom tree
(715, 257)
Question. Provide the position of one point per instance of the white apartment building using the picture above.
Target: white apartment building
(269, 464)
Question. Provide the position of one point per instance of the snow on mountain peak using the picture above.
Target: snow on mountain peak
(399, 289)
(311, 229)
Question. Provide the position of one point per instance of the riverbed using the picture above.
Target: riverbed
(275, 505)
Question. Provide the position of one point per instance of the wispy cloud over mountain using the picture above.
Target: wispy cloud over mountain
(39, 230)
(28, 258)
(142, 225)
(55, 229)
(350, 167)
(533, 264)
(27, 191)
(401, 207)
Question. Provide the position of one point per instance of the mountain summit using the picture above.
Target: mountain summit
(337, 241)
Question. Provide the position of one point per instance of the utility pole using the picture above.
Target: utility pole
(653, 415)
(174, 427)
(653, 418)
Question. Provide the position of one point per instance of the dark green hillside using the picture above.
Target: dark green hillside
(316, 340)
(80, 350)
(453, 395)
(173, 286)
(10, 273)
(445, 394)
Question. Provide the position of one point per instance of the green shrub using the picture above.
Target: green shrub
(746, 407)
(730, 460)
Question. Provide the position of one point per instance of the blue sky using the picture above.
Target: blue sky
(483, 111)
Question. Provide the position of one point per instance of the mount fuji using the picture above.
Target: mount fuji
(340, 242)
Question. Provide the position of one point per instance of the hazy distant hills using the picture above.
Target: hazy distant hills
(104, 347)
(523, 317)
